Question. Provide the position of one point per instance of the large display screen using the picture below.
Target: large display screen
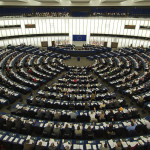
(10, 26)
(30, 26)
(79, 37)
(129, 27)
(145, 27)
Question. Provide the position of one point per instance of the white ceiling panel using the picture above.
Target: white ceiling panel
(48, 1)
(14, 0)
(80, 1)
(141, 1)
(112, 1)
(75, 3)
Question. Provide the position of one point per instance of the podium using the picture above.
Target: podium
(78, 58)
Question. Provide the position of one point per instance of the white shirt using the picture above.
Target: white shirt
(67, 145)
(92, 116)
(147, 123)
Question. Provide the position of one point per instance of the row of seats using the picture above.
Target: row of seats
(95, 119)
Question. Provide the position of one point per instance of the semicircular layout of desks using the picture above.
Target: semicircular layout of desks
(59, 106)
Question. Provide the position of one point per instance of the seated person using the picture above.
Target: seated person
(86, 106)
(2, 121)
(48, 128)
(18, 124)
(67, 145)
(110, 130)
(9, 123)
(118, 115)
(79, 97)
(39, 146)
(102, 105)
(47, 114)
(147, 123)
(92, 116)
(132, 126)
(93, 96)
(102, 116)
(111, 113)
(57, 115)
(120, 109)
(89, 131)
(105, 147)
(72, 97)
(57, 130)
(78, 131)
(118, 146)
(131, 148)
(40, 113)
(53, 145)
(65, 97)
(68, 130)
(73, 115)
(140, 100)
(28, 145)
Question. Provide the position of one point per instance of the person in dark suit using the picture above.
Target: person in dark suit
(18, 124)
(39, 146)
(28, 145)
(118, 115)
(47, 114)
(53, 146)
(48, 129)
(2, 121)
(57, 115)
(9, 123)
(105, 147)
(34, 101)
(89, 130)
(28, 126)
(65, 97)
(40, 113)
(56, 130)
(86, 106)
(72, 97)
(148, 145)
(111, 113)
(110, 130)
(67, 130)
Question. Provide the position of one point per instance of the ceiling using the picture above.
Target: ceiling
(74, 2)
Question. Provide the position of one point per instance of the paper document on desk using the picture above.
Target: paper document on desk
(76, 146)
(81, 147)
(88, 146)
(41, 124)
(10, 140)
(21, 141)
(28, 137)
(144, 139)
(111, 143)
(6, 137)
(133, 144)
(141, 142)
(44, 143)
(16, 140)
(124, 144)
(94, 147)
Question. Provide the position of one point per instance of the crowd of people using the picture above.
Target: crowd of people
(41, 14)
(109, 14)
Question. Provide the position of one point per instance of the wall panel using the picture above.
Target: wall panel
(84, 26)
